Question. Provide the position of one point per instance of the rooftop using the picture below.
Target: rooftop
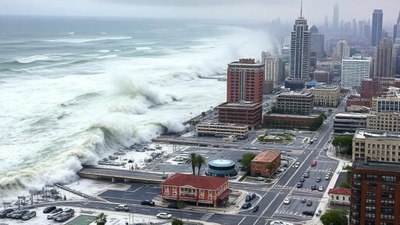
(292, 93)
(340, 191)
(202, 182)
(266, 156)
(293, 115)
(367, 133)
(372, 165)
(352, 115)
(243, 104)
(221, 162)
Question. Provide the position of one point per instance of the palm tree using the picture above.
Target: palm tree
(101, 219)
(200, 160)
(192, 161)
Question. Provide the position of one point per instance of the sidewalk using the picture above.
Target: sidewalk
(324, 203)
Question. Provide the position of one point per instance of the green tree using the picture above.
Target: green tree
(101, 219)
(270, 167)
(177, 221)
(345, 184)
(246, 159)
(192, 162)
(334, 217)
(200, 161)
(343, 144)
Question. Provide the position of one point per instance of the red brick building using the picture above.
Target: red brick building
(375, 193)
(245, 81)
(259, 165)
(204, 190)
(246, 113)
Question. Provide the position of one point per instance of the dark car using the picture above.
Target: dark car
(250, 197)
(313, 187)
(303, 200)
(49, 209)
(302, 180)
(173, 206)
(309, 203)
(19, 214)
(246, 205)
(255, 209)
(148, 202)
(4, 213)
(29, 215)
(63, 217)
(69, 211)
(318, 179)
(299, 185)
(308, 213)
(9, 215)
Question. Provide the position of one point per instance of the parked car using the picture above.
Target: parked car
(173, 206)
(308, 213)
(299, 185)
(19, 214)
(9, 215)
(306, 175)
(148, 202)
(255, 209)
(313, 163)
(303, 200)
(313, 187)
(279, 222)
(122, 208)
(29, 215)
(49, 209)
(164, 215)
(327, 177)
(286, 201)
(309, 203)
(63, 216)
(321, 188)
(302, 180)
(69, 211)
(54, 215)
(318, 179)
(250, 197)
(246, 205)
(4, 213)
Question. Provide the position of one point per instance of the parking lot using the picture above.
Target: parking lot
(134, 195)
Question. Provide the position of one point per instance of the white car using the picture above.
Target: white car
(286, 201)
(278, 222)
(164, 215)
(297, 164)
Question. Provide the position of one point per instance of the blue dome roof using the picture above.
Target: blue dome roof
(221, 163)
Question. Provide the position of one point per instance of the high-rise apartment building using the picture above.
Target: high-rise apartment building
(271, 68)
(300, 49)
(383, 59)
(377, 19)
(342, 50)
(375, 188)
(245, 81)
(354, 70)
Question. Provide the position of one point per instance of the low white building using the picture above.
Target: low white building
(339, 196)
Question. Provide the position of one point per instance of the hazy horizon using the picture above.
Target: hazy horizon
(251, 10)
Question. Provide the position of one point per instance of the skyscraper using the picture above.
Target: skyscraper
(354, 70)
(342, 51)
(335, 21)
(271, 69)
(396, 30)
(396, 57)
(383, 59)
(377, 19)
(317, 42)
(300, 49)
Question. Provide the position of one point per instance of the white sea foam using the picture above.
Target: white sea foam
(104, 51)
(85, 40)
(143, 48)
(33, 58)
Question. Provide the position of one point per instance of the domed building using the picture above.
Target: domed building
(221, 168)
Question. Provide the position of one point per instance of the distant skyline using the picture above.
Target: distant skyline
(258, 10)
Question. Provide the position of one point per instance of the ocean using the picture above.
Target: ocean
(73, 90)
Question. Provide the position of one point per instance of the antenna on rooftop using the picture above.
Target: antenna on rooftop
(301, 9)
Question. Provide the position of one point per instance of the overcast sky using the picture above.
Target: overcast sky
(261, 10)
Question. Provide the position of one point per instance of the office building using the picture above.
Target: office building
(245, 113)
(384, 121)
(396, 29)
(383, 59)
(295, 103)
(222, 130)
(317, 44)
(322, 76)
(335, 19)
(290, 121)
(377, 19)
(396, 57)
(245, 81)
(271, 67)
(349, 122)
(342, 50)
(375, 188)
(388, 103)
(260, 166)
(374, 145)
(325, 95)
(354, 70)
(300, 49)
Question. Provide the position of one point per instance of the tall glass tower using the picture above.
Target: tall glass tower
(377, 19)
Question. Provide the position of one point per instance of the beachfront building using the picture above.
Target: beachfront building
(204, 190)
(265, 164)
(222, 130)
